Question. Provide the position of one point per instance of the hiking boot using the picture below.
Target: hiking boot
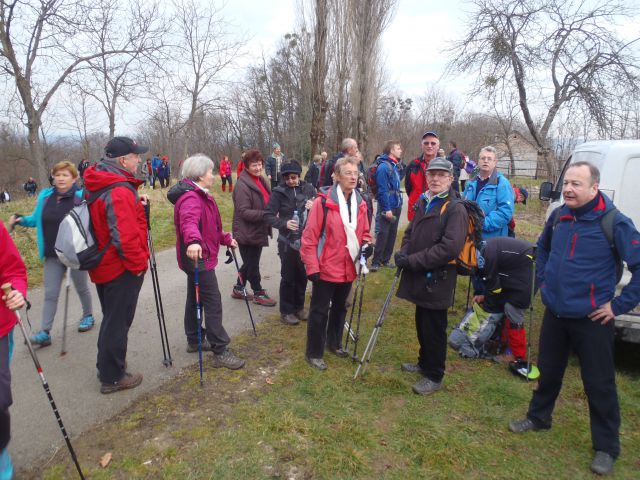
(302, 315)
(524, 425)
(374, 267)
(317, 363)
(238, 293)
(602, 463)
(227, 360)
(129, 380)
(289, 319)
(426, 387)
(193, 347)
(41, 338)
(411, 368)
(261, 298)
(338, 352)
(86, 323)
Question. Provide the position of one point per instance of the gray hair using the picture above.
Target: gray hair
(348, 143)
(317, 158)
(593, 170)
(196, 166)
(343, 161)
(489, 149)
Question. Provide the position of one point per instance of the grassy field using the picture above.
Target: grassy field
(277, 418)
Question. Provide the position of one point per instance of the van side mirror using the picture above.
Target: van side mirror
(546, 191)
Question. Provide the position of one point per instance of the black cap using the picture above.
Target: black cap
(429, 134)
(440, 163)
(290, 167)
(121, 146)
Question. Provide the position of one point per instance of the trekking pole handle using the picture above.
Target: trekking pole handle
(147, 213)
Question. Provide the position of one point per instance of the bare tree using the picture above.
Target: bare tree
(568, 48)
(318, 77)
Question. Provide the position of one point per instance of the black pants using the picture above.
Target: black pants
(386, 237)
(118, 299)
(153, 181)
(164, 182)
(431, 328)
(250, 269)
(293, 280)
(211, 303)
(228, 180)
(326, 316)
(593, 343)
(5, 393)
(456, 183)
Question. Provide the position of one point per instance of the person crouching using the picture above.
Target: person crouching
(428, 278)
(337, 232)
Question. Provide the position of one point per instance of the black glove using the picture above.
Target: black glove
(366, 250)
(314, 277)
(402, 260)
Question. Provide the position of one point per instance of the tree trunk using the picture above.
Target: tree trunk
(317, 132)
(36, 150)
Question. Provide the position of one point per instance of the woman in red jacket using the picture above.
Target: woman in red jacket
(225, 174)
(329, 255)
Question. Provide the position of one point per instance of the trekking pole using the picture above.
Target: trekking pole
(533, 292)
(67, 284)
(366, 354)
(468, 292)
(198, 318)
(347, 326)
(232, 255)
(164, 338)
(354, 357)
(6, 288)
(357, 298)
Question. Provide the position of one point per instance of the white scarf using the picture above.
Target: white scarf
(353, 245)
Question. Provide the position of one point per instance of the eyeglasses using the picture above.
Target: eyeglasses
(433, 144)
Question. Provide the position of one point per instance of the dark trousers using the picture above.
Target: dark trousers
(153, 180)
(5, 393)
(164, 182)
(250, 269)
(593, 343)
(456, 183)
(386, 237)
(326, 316)
(118, 299)
(431, 328)
(293, 280)
(228, 180)
(211, 302)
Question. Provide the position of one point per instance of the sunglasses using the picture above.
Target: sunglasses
(433, 144)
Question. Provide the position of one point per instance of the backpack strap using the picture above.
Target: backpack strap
(93, 196)
(323, 201)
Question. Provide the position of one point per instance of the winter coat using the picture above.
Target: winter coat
(164, 170)
(225, 168)
(197, 220)
(415, 182)
(329, 256)
(457, 160)
(272, 168)
(35, 219)
(496, 201)
(13, 271)
(388, 182)
(249, 227)
(155, 164)
(576, 267)
(312, 176)
(431, 279)
(119, 221)
(282, 202)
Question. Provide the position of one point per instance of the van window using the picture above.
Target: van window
(628, 199)
(594, 158)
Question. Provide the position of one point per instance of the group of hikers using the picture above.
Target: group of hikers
(324, 236)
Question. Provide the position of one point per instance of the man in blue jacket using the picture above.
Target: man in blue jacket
(493, 192)
(389, 198)
(155, 165)
(577, 277)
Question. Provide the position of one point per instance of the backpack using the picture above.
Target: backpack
(75, 245)
(472, 335)
(371, 176)
(606, 224)
(467, 260)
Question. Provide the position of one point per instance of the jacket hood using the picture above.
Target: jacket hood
(179, 189)
(106, 173)
(331, 194)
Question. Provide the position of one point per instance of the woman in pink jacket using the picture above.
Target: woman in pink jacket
(199, 235)
(336, 234)
(225, 174)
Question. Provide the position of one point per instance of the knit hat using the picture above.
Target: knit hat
(291, 167)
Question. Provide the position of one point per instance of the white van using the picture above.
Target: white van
(619, 165)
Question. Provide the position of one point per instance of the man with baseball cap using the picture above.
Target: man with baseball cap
(415, 181)
(432, 240)
(120, 228)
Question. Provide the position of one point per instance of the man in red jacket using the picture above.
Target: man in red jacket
(120, 228)
(415, 181)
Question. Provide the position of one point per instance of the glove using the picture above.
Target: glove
(402, 260)
(366, 250)
(314, 277)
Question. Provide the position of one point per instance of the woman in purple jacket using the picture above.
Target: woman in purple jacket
(199, 235)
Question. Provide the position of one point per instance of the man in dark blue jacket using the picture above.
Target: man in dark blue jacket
(456, 159)
(389, 198)
(577, 276)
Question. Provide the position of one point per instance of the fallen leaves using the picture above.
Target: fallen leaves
(106, 458)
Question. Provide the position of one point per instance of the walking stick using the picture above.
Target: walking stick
(198, 317)
(368, 351)
(533, 292)
(164, 338)
(468, 292)
(6, 288)
(232, 255)
(357, 298)
(67, 284)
